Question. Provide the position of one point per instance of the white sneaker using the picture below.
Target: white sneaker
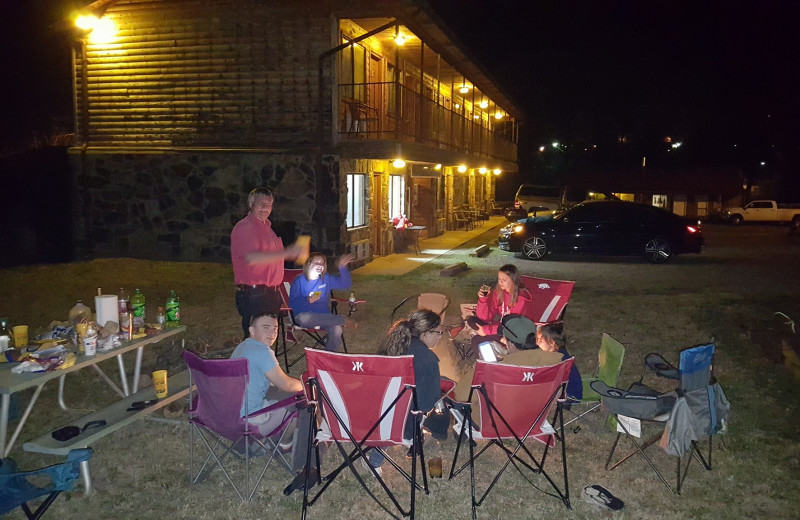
(366, 465)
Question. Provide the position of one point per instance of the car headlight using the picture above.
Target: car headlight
(518, 228)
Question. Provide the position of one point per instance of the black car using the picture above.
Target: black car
(608, 227)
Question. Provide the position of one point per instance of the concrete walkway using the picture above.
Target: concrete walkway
(430, 248)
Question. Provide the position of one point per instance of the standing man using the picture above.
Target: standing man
(257, 255)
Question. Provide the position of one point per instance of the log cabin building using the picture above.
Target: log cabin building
(351, 111)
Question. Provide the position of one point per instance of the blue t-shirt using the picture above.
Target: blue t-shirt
(575, 385)
(261, 359)
(302, 288)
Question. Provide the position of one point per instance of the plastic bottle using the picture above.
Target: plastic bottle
(137, 306)
(90, 339)
(78, 313)
(124, 307)
(173, 309)
(6, 338)
(352, 298)
(161, 318)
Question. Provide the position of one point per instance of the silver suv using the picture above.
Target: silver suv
(532, 198)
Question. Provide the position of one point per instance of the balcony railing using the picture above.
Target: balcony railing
(390, 111)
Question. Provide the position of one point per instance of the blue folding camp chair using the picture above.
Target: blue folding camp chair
(16, 490)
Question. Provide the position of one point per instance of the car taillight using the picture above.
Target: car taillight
(692, 229)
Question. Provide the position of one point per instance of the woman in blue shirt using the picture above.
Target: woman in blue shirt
(310, 297)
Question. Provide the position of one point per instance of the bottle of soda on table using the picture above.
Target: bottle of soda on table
(137, 308)
(173, 309)
(124, 307)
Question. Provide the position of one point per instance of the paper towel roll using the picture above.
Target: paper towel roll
(107, 308)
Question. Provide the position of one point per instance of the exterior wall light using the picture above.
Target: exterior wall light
(497, 171)
(101, 30)
(398, 163)
(461, 168)
(437, 167)
(482, 171)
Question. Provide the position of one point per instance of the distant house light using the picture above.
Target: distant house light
(497, 171)
(437, 167)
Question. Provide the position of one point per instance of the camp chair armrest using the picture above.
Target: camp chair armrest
(661, 367)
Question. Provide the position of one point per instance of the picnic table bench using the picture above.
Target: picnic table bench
(116, 416)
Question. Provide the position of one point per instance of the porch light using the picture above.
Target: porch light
(464, 89)
(484, 104)
(498, 115)
(437, 167)
(555, 144)
(400, 40)
(398, 163)
(101, 30)
(461, 168)
(482, 171)
(457, 106)
(497, 171)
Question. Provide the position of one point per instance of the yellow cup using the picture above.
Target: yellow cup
(20, 335)
(160, 383)
(435, 467)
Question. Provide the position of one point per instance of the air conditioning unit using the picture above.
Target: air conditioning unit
(360, 249)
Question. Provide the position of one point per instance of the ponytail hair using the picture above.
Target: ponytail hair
(398, 338)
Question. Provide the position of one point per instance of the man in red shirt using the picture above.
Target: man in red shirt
(257, 254)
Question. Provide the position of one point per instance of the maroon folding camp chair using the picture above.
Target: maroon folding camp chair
(363, 401)
(215, 415)
(514, 403)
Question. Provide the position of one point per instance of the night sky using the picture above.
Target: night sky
(714, 74)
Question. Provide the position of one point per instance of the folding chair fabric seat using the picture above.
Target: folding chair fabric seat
(16, 490)
(364, 401)
(515, 403)
(215, 415)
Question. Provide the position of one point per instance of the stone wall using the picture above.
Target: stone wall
(182, 206)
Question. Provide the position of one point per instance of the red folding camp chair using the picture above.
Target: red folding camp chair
(289, 333)
(514, 403)
(550, 298)
(363, 400)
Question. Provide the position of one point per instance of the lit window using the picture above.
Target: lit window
(356, 199)
(397, 191)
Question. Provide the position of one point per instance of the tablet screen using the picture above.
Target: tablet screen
(487, 352)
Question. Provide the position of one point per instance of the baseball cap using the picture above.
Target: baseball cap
(516, 328)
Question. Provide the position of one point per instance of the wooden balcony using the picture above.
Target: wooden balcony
(391, 111)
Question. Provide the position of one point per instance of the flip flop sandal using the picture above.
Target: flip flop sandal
(599, 496)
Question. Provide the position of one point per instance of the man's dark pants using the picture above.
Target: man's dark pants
(252, 301)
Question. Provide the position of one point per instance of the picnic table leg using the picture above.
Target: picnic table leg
(137, 369)
(4, 407)
(87, 478)
(108, 380)
(4, 425)
(122, 377)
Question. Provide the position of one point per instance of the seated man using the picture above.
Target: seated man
(519, 334)
(268, 384)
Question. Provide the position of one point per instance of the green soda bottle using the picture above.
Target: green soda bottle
(173, 310)
(137, 308)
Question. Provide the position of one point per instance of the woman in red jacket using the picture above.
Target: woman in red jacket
(508, 297)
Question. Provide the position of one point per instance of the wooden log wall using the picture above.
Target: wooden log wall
(199, 73)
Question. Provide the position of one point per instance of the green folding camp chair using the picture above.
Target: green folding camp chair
(609, 364)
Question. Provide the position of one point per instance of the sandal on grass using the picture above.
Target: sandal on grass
(599, 496)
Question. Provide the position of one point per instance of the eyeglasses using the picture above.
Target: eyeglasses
(439, 332)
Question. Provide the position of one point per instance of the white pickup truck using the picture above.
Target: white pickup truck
(764, 211)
